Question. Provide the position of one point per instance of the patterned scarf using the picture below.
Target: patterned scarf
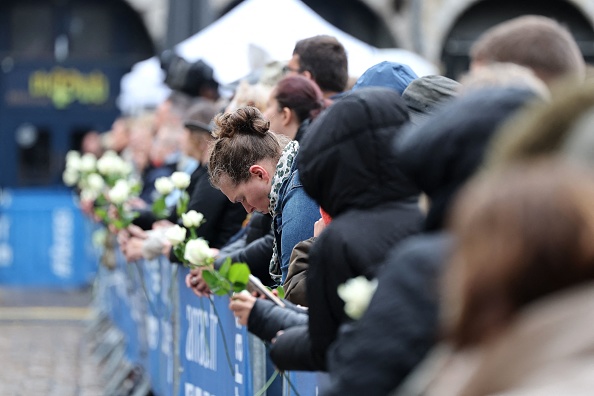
(282, 172)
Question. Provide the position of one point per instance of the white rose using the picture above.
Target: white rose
(181, 180)
(73, 160)
(356, 294)
(120, 192)
(108, 163)
(88, 195)
(197, 251)
(176, 235)
(88, 162)
(70, 177)
(95, 182)
(164, 185)
(72, 154)
(192, 219)
(119, 166)
(125, 168)
(99, 237)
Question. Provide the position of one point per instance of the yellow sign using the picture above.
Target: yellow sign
(64, 86)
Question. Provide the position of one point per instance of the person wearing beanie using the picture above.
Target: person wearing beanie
(424, 94)
(393, 75)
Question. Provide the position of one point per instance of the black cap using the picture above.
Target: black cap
(197, 126)
(199, 116)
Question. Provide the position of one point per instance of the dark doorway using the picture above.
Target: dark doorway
(485, 14)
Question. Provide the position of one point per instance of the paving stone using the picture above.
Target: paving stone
(48, 356)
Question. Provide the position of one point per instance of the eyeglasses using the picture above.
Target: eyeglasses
(287, 69)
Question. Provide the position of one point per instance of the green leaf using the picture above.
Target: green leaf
(239, 273)
(159, 208)
(238, 286)
(119, 224)
(211, 280)
(217, 284)
(224, 270)
(101, 213)
(281, 292)
(179, 251)
(135, 188)
(101, 201)
(182, 205)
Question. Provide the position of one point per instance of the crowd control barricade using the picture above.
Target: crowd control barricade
(45, 241)
(159, 332)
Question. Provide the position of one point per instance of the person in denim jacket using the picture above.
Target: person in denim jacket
(252, 165)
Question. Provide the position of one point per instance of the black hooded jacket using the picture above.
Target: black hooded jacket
(346, 165)
(373, 355)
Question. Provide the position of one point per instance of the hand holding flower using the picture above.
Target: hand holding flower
(241, 304)
(196, 282)
(198, 253)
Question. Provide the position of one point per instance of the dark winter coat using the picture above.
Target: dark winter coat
(346, 165)
(373, 355)
(223, 217)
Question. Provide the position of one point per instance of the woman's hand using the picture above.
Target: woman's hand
(319, 227)
(196, 282)
(133, 249)
(241, 304)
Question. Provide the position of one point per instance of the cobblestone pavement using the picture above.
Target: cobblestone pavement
(44, 347)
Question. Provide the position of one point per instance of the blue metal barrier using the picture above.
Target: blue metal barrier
(189, 346)
(44, 240)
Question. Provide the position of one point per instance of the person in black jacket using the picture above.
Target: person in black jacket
(373, 355)
(348, 169)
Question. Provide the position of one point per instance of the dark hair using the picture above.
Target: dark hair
(300, 95)
(521, 234)
(191, 78)
(537, 42)
(326, 59)
(242, 138)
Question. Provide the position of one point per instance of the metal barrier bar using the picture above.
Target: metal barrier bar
(185, 345)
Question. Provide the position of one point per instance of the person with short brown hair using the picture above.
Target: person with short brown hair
(322, 59)
(536, 42)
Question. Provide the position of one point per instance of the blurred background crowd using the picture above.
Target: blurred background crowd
(414, 174)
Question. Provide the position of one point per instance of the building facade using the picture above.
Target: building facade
(442, 31)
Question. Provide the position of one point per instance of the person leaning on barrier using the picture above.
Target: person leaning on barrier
(293, 103)
(517, 320)
(346, 167)
(257, 168)
(374, 354)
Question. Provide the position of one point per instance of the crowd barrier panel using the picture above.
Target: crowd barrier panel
(188, 346)
(44, 240)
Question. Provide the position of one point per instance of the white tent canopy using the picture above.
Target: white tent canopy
(269, 28)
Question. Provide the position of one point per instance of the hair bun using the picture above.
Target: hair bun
(246, 120)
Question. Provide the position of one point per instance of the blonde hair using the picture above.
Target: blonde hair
(246, 94)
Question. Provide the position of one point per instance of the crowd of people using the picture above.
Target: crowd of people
(465, 200)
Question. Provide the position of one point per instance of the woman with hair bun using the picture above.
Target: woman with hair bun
(294, 102)
(252, 165)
